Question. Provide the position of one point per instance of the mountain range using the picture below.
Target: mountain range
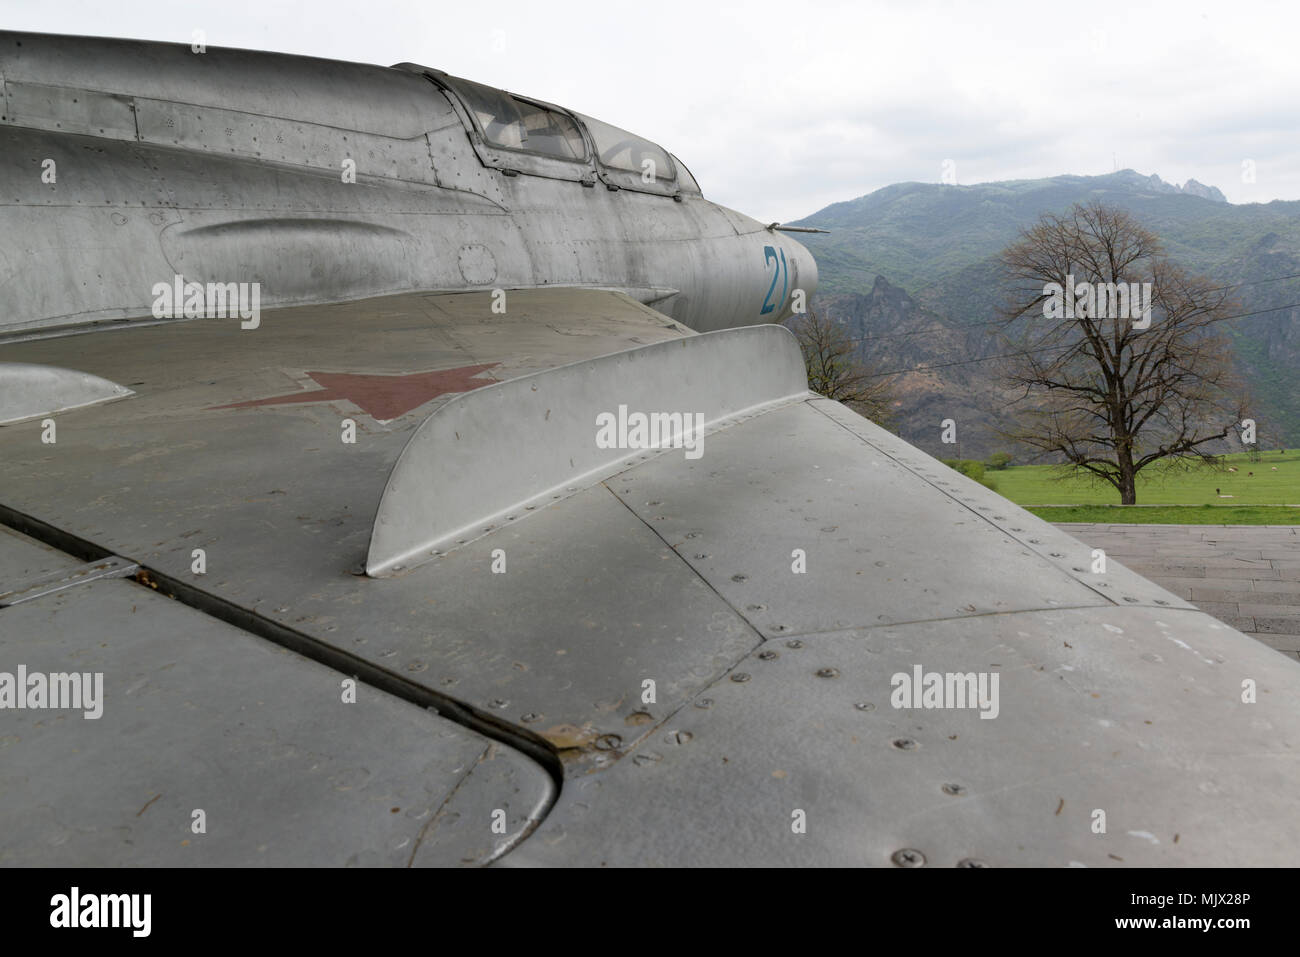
(911, 270)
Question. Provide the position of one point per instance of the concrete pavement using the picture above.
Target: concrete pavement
(1247, 576)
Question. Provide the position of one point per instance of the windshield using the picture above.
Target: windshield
(619, 149)
(520, 125)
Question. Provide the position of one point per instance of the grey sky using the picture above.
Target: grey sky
(781, 108)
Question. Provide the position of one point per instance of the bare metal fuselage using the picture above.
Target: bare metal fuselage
(326, 181)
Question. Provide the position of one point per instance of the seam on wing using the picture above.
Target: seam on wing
(816, 405)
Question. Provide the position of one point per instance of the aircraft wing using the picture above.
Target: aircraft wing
(564, 654)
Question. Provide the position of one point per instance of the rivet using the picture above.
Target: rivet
(739, 578)
(905, 744)
(954, 789)
(908, 857)
(865, 706)
(794, 643)
(739, 677)
(768, 655)
(971, 862)
(608, 742)
(704, 703)
(498, 703)
(678, 737)
(828, 673)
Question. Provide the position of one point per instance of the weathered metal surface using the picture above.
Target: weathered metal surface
(350, 96)
(29, 391)
(126, 163)
(33, 588)
(1134, 712)
(192, 369)
(909, 539)
(23, 559)
(450, 482)
(591, 601)
(196, 716)
(497, 802)
(1034, 535)
(605, 589)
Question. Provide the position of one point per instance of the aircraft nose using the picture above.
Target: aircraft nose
(807, 270)
(800, 268)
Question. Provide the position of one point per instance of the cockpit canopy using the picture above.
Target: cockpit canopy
(547, 140)
(621, 150)
(515, 124)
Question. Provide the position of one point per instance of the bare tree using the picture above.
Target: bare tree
(835, 371)
(1112, 375)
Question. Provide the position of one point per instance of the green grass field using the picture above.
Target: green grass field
(1273, 480)
(1170, 514)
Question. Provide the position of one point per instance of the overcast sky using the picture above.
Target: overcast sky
(780, 108)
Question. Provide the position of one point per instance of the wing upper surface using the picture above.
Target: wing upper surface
(685, 572)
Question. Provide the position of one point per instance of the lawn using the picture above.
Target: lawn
(1170, 514)
(1273, 480)
(1199, 495)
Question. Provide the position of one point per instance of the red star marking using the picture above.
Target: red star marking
(382, 397)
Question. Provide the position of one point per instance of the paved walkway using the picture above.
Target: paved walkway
(1245, 575)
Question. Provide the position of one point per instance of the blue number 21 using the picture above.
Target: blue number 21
(783, 271)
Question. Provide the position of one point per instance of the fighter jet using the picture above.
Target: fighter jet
(398, 471)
